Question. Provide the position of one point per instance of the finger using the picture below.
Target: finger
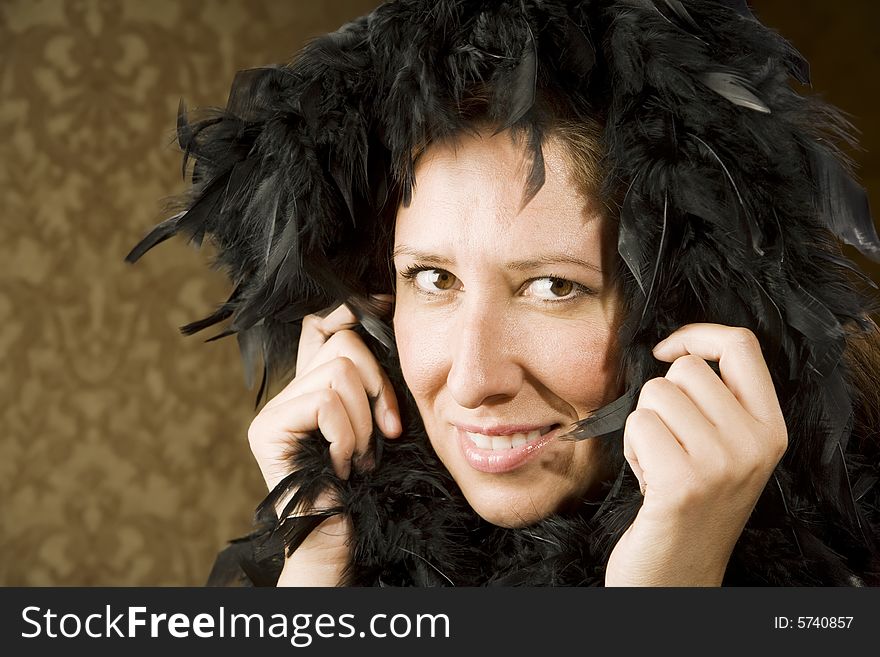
(348, 344)
(296, 418)
(653, 452)
(715, 401)
(375, 381)
(684, 420)
(740, 362)
(316, 330)
(341, 375)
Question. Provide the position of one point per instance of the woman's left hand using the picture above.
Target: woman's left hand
(702, 448)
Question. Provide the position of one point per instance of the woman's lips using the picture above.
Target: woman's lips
(496, 454)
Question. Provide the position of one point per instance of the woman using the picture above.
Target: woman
(557, 205)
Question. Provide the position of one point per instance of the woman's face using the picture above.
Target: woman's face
(505, 321)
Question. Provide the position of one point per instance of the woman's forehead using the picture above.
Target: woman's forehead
(469, 194)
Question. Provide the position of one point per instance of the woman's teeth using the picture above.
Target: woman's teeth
(500, 443)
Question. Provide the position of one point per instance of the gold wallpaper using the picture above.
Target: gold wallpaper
(124, 457)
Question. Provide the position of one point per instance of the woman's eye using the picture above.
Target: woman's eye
(553, 289)
(433, 279)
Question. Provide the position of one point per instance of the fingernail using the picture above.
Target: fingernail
(392, 426)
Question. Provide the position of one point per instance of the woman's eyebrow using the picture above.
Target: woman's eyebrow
(552, 259)
(420, 255)
(516, 265)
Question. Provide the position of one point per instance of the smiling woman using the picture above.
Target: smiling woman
(505, 324)
(556, 294)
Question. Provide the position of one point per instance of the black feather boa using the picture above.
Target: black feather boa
(732, 195)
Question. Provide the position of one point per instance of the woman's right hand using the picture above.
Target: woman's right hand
(338, 388)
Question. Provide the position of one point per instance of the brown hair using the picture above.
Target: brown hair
(862, 359)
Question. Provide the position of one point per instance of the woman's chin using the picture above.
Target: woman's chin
(506, 511)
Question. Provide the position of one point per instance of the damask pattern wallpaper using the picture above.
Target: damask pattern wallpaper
(123, 457)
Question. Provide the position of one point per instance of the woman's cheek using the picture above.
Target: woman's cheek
(423, 350)
(582, 358)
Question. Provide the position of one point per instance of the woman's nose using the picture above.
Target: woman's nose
(485, 366)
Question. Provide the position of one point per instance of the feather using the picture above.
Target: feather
(264, 381)
(864, 485)
(817, 323)
(202, 213)
(685, 23)
(741, 7)
(223, 312)
(733, 88)
(299, 517)
(238, 186)
(754, 230)
(614, 491)
(219, 315)
(649, 297)
(341, 175)
(772, 321)
(159, 234)
(536, 174)
(683, 14)
(608, 421)
(285, 254)
(629, 242)
(250, 344)
(786, 511)
(271, 222)
(259, 557)
(843, 205)
(184, 136)
(579, 55)
(221, 335)
(442, 574)
(295, 529)
(848, 498)
(517, 94)
(798, 67)
(845, 263)
(838, 416)
(254, 90)
(367, 310)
